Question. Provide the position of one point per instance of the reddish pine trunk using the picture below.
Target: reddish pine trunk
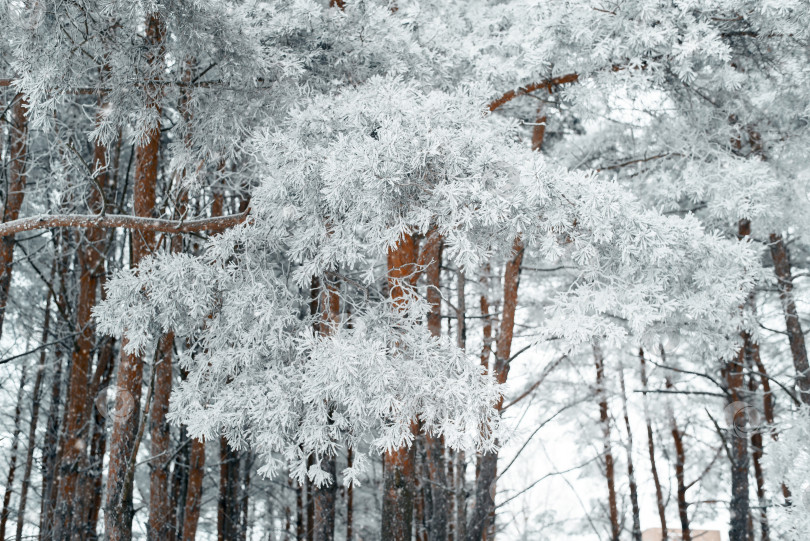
(32, 429)
(12, 467)
(73, 474)
(604, 419)
(160, 526)
(18, 152)
(798, 349)
(756, 456)
(488, 463)
(118, 515)
(659, 495)
(196, 473)
(398, 465)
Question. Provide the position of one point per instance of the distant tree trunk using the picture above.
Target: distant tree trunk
(17, 176)
(12, 466)
(734, 373)
(118, 515)
(310, 504)
(631, 475)
(604, 419)
(460, 458)
(349, 499)
(194, 491)
(228, 503)
(98, 443)
(659, 495)
(50, 450)
(160, 526)
(32, 428)
(398, 465)
(798, 349)
(488, 464)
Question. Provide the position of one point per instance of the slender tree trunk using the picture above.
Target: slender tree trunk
(604, 419)
(17, 176)
(32, 428)
(12, 467)
(179, 485)
(228, 503)
(118, 515)
(488, 464)
(756, 456)
(398, 465)
(349, 499)
(659, 495)
(244, 504)
(160, 526)
(460, 459)
(734, 372)
(784, 275)
(98, 444)
(300, 532)
(194, 492)
(631, 475)
(324, 499)
(50, 451)
(680, 466)
(310, 504)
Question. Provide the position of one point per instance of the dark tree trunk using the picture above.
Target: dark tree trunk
(32, 428)
(604, 419)
(194, 492)
(12, 466)
(659, 495)
(160, 525)
(228, 503)
(798, 349)
(631, 475)
(488, 463)
(349, 499)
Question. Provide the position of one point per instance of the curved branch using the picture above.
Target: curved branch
(109, 221)
(548, 84)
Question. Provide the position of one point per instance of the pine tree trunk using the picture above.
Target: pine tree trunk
(228, 503)
(179, 486)
(349, 499)
(244, 503)
(118, 515)
(680, 466)
(398, 465)
(73, 474)
(659, 495)
(488, 463)
(734, 373)
(631, 475)
(12, 467)
(756, 456)
(196, 474)
(460, 459)
(50, 451)
(798, 349)
(17, 176)
(98, 444)
(604, 419)
(160, 526)
(32, 428)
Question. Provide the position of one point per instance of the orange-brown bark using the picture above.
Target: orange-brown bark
(17, 169)
(194, 491)
(160, 526)
(607, 453)
(118, 515)
(398, 465)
